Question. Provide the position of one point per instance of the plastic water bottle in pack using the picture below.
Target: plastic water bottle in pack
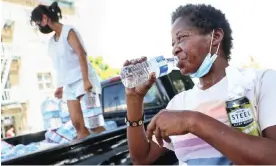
(93, 118)
(65, 117)
(8, 155)
(19, 150)
(51, 114)
(54, 120)
(134, 75)
(91, 100)
(5, 147)
(64, 114)
(92, 111)
(6, 151)
(67, 131)
(46, 145)
(52, 137)
(32, 147)
(110, 125)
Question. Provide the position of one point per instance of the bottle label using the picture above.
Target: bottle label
(90, 100)
(241, 117)
(162, 64)
(94, 121)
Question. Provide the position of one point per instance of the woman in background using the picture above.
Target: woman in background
(75, 75)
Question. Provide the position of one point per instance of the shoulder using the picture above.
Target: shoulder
(266, 83)
(68, 27)
(261, 74)
(266, 97)
(72, 33)
(68, 30)
(266, 76)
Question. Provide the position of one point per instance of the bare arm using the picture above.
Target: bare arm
(141, 151)
(75, 43)
(237, 146)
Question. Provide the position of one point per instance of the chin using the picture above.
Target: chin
(184, 72)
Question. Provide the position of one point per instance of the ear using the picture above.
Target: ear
(44, 20)
(218, 36)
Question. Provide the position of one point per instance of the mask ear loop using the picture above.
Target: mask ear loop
(217, 48)
(212, 43)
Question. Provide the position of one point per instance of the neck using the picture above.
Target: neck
(216, 74)
(57, 27)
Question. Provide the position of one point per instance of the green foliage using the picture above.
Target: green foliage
(104, 70)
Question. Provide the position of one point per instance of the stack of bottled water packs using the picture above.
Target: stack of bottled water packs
(65, 132)
(59, 128)
(9, 151)
(6, 150)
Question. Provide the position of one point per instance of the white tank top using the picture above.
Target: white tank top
(65, 60)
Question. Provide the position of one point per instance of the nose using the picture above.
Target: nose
(176, 50)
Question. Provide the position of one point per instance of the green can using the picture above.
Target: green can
(241, 116)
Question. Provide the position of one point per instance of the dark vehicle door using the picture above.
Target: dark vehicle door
(114, 102)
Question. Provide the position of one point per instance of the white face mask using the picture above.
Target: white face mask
(207, 62)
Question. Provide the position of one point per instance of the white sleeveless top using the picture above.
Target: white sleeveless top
(65, 60)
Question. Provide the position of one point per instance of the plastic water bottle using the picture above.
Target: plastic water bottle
(52, 137)
(51, 113)
(110, 125)
(134, 75)
(19, 150)
(67, 131)
(5, 147)
(32, 147)
(8, 155)
(91, 100)
(64, 113)
(93, 118)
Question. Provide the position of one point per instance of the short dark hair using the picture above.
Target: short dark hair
(207, 18)
(53, 12)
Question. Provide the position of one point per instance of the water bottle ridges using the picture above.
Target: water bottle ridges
(135, 75)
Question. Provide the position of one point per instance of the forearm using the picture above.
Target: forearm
(235, 145)
(141, 150)
(136, 135)
(84, 67)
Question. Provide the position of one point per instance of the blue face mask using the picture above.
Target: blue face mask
(207, 63)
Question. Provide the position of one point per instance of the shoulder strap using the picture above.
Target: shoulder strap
(65, 32)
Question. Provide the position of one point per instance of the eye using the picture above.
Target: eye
(173, 44)
(182, 37)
